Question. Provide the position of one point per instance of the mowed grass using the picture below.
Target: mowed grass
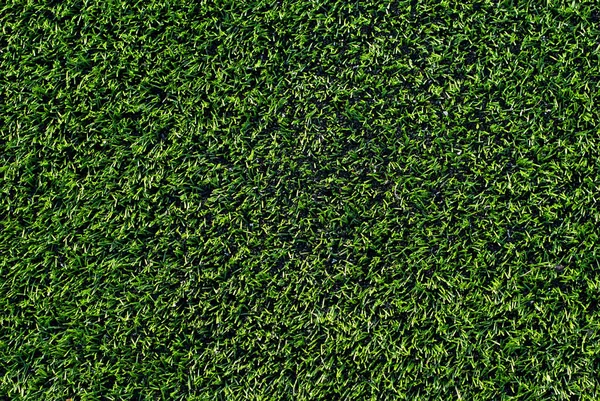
(299, 200)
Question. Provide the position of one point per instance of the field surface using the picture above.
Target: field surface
(299, 200)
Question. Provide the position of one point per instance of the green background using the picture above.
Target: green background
(307, 200)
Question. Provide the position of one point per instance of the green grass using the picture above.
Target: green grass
(303, 200)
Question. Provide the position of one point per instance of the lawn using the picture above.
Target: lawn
(299, 200)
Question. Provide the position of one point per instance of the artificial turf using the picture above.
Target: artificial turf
(303, 200)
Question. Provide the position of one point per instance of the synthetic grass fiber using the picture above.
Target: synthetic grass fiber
(299, 200)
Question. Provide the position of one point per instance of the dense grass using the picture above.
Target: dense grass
(307, 200)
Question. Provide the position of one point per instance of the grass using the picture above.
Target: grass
(307, 200)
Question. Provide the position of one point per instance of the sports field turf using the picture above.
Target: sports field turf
(299, 200)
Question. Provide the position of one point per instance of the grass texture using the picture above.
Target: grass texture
(299, 200)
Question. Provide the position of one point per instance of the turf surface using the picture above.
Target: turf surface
(307, 200)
